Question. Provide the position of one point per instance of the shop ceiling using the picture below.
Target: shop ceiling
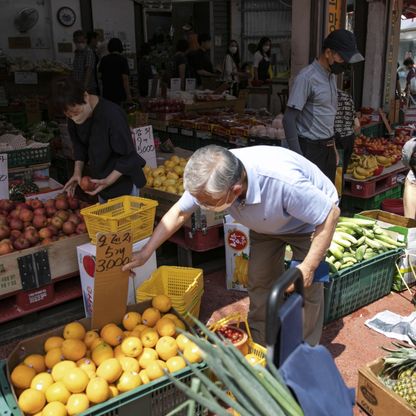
(409, 9)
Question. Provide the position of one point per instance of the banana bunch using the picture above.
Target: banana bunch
(385, 161)
(362, 166)
(240, 275)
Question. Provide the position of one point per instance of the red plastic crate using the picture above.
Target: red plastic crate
(199, 240)
(34, 298)
(370, 187)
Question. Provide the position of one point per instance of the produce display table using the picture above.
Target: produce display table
(238, 105)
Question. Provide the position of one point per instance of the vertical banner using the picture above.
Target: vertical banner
(4, 177)
(334, 18)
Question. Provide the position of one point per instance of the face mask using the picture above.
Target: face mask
(83, 116)
(222, 207)
(338, 67)
(233, 49)
(266, 48)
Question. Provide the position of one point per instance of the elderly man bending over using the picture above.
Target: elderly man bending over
(283, 198)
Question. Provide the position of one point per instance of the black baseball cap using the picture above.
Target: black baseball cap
(343, 41)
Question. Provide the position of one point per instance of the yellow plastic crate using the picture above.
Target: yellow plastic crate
(126, 213)
(193, 310)
(182, 284)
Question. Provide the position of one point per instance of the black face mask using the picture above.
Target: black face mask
(338, 68)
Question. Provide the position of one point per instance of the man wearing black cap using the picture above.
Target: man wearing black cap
(312, 104)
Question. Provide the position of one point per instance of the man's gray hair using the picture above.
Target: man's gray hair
(213, 170)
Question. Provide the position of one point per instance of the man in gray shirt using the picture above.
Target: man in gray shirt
(312, 105)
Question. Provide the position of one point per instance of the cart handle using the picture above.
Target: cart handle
(276, 300)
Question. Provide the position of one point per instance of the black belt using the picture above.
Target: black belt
(320, 142)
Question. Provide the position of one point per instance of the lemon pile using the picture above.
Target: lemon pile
(83, 368)
(167, 177)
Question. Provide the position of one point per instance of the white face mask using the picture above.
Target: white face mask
(219, 208)
(266, 48)
(83, 115)
(233, 49)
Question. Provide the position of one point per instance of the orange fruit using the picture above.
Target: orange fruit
(149, 337)
(96, 343)
(128, 381)
(36, 361)
(77, 403)
(182, 341)
(52, 342)
(129, 364)
(61, 368)
(57, 392)
(74, 330)
(162, 303)
(140, 328)
(166, 327)
(131, 319)
(110, 370)
(170, 316)
(150, 316)
(113, 391)
(112, 335)
(105, 327)
(41, 382)
(54, 409)
(73, 349)
(31, 401)
(97, 390)
(147, 356)
(162, 364)
(53, 356)
(101, 353)
(132, 347)
(166, 348)
(22, 376)
(175, 364)
(118, 353)
(90, 337)
(76, 380)
(180, 324)
(192, 353)
(126, 333)
(154, 370)
(87, 365)
(144, 377)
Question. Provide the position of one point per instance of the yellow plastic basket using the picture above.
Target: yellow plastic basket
(182, 284)
(126, 213)
(192, 309)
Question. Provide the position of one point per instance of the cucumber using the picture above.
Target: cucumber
(332, 268)
(346, 265)
(387, 245)
(358, 221)
(349, 259)
(342, 242)
(353, 227)
(337, 265)
(373, 243)
(336, 250)
(368, 256)
(346, 236)
(359, 254)
(361, 241)
(388, 240)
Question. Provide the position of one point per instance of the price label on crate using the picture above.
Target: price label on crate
(4, 177)
(175, 84)
(190, 84)
(114, 250)
(145, 144)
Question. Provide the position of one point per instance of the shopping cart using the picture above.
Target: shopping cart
(310, 372)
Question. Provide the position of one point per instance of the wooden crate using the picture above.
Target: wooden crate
(62, 258)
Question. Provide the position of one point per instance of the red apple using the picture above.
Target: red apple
(23, 205)
(5, 247)
(68, 227)
(46, 241)
(57, 222)
(39, 211)
(49, 203)
(63, 215)
(74, 218)
(3, 219)
(81, 228)
(36, 203)
(6, 205)
(61, 203)
(4, 232)
(86, 184)
(26, 215)
(16, 224)
(14, 213)
(14, 234)
(39, 221)
(45, 233)
(51, 211)
(73, 202)
(53, 229)
(31, 235)
(21, 243)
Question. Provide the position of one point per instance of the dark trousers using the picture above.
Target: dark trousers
(346, 144)
(322, 153)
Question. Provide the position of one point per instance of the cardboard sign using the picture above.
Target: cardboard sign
(114, 250)
(190, 84)
(145, 144)
(4, 177)
(385, 121)
(175, 84)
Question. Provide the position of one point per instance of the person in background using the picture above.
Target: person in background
(200, 60)
(114, 70)
(92, 42)
(312, 105)
(231, 65)
(101, 137)
(410, 66)
(409, 195)
(345, 126)
(84, 63)
(145, 70)
(261, 64)
(180, 66)
(191, 37)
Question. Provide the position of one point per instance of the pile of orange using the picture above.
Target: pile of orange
(83, 368)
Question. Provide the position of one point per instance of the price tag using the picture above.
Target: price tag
(173, 130)
(145, 144)
(175, 84)
(4, 177)
(187, 132)
(27, 78)
(114, 250)
(190, 84)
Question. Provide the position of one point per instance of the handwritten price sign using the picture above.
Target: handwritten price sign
(145, 144)
(114, 250)
(4, 177)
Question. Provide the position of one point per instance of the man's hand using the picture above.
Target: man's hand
(137, 260)
(71, 185)
(308, 274)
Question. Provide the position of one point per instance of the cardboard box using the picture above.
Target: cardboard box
(26, 269)
(53, 189)
(38, 174)
(377, 399)
(86, 263)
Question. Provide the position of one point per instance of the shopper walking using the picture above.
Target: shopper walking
(312, 104)
(101, 137)
(84, 63)
(261, 64)
(114, 70)
(282, 198)
(409, 196)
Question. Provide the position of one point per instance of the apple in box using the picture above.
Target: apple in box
(86, 263)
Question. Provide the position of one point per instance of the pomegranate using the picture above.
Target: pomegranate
(57, 222)
(39, 221)
(14, 214)
(49, 203)
(21, 243)
(39, 211)
(16, 224)
(74, 218)
(45, 233)
(4, 232)
(86, 184)
(63, 215)
(73, 202)
(3, 219)
(35, 203)
(23, 205)
(31, 235)
(53, 229)
(61, 203)
(81, 228)
(46, 241)
(14, 234)
(51, 211)
(26, 215)
(5, 247)
(68, 227)
(6, 205)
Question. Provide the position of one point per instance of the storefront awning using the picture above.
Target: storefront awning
(409, 9)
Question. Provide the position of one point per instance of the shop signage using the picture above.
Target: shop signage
(26, 78)
(334, 18)
(175, 84)
(4, 177)
(145, 144)
(190, 84)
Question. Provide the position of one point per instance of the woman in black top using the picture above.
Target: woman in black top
(114, 70)
(101, 137)
(261, 62)
(180, 66)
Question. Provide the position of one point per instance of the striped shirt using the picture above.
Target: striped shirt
(344, 119)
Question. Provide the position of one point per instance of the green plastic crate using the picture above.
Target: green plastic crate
(28, 157)
(154, 399)
(351, 203)
(373, 130)
(363, 283)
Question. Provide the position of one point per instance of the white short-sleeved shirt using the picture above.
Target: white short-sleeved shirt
(287, 194)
